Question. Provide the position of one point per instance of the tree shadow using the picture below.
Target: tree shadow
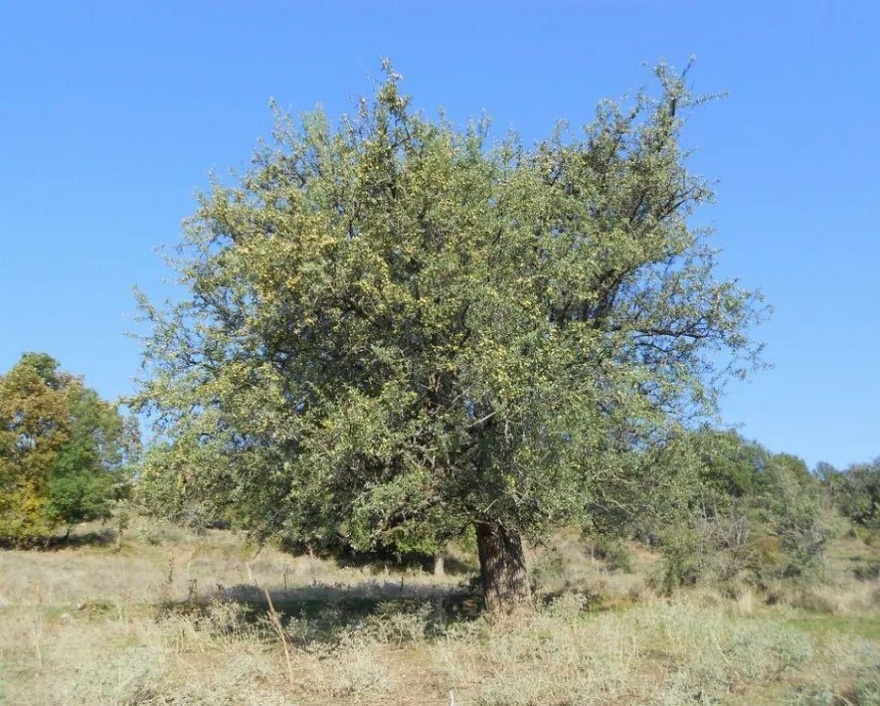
(326, 615)
(452, 566)
(380, 559)
(73, 540)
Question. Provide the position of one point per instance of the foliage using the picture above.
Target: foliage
(856, 492)
(395, 330)
(742, 513)
(63, 450)
(614, 554)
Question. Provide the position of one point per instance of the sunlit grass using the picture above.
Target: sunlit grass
(177, 618)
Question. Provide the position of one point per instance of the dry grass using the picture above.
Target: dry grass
(181, 619)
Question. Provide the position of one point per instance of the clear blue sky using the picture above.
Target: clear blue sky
(113, 113)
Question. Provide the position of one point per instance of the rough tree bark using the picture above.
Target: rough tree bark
(502, 569)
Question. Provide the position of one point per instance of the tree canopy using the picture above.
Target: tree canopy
(396, 330)
(63, 450)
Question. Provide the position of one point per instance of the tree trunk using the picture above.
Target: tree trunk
(502, 569)
(439, 565)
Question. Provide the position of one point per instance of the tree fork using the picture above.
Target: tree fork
(502, 569)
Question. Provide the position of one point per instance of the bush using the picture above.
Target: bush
(742, 515)
(614, 554)
(856, 493)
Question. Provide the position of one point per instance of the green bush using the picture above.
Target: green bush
(741, 515)
(614, 554)
(856, 493)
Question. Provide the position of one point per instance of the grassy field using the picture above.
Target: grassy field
(178, 618)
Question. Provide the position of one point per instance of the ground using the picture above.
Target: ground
(179, 618)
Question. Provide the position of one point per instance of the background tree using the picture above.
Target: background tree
(63, 450)
(856, 492)
(34, 427)
(735, 512)
(92, 469)
(396, 329)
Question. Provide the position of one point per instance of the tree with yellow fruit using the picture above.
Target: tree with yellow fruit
(396, 330)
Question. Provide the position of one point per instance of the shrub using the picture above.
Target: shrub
(856, 493)
(741, 515)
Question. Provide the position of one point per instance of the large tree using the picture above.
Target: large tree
(395, 329)
(63, 450)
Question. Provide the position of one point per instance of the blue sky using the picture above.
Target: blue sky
(112, 114)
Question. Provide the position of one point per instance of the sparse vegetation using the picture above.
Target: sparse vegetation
(178, 617)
